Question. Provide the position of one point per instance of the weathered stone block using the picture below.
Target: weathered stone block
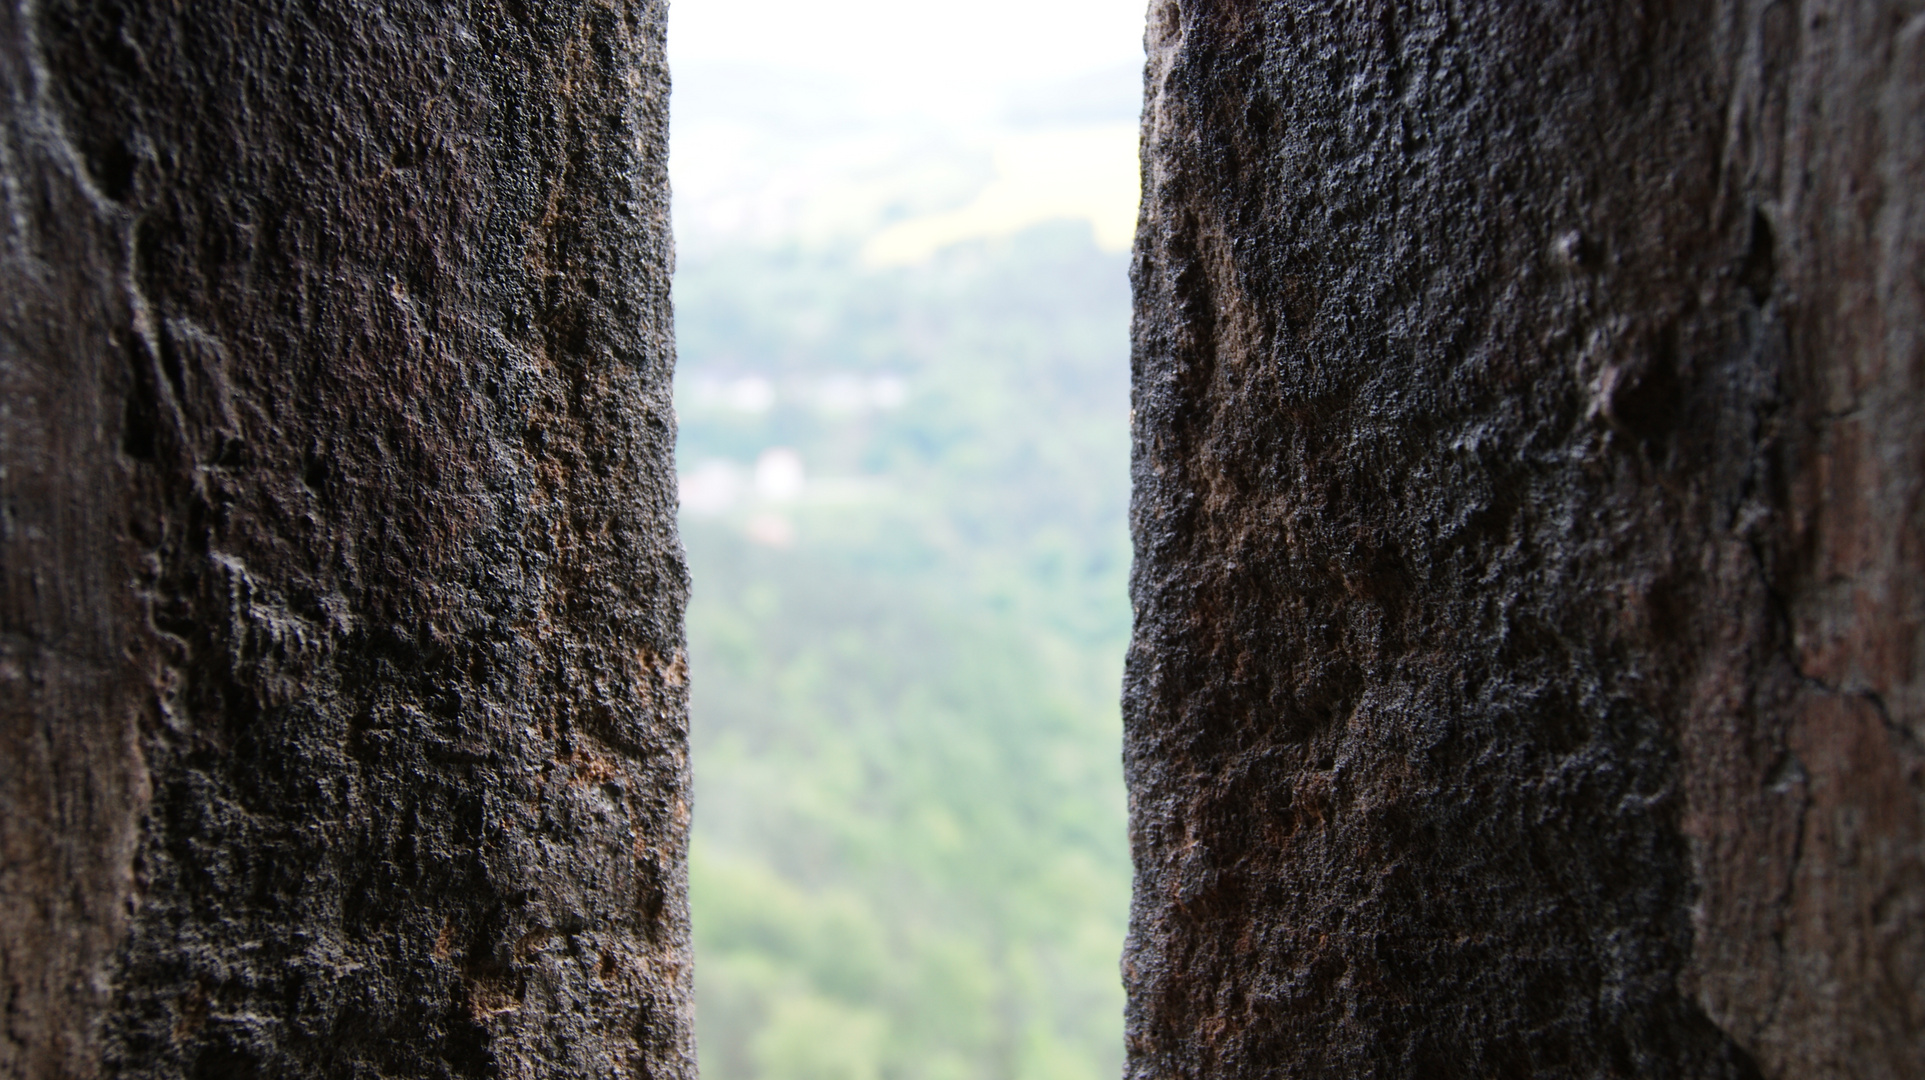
(1530, 524)
(342, 718)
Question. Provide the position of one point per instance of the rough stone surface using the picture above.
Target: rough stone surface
(342, 714)
(1530, 521)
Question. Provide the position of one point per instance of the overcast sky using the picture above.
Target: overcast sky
(942, 56)
(900, 125)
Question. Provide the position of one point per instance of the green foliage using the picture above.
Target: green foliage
(909, 857)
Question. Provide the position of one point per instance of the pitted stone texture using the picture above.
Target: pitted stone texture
(342, 706)
(1529, 447)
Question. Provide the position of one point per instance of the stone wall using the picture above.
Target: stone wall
(1530, 522)
(342, 717)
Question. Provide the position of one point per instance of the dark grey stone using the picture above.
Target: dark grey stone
(342, 717)
(1530, 530)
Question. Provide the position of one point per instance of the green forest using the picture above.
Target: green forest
(904, 495)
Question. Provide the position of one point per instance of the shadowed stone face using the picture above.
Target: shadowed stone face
(1529, 447)
(342, 705)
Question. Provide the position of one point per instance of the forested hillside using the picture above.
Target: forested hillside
(903, 500)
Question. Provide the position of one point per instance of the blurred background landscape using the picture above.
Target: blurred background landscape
(902, 313)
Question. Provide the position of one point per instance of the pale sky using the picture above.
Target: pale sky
(940, 53)
(902, 126)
